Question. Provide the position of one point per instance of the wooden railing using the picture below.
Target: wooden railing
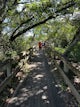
(68, 82)
(8, 80)
(68, 64)
(17, 69)
(57, 56)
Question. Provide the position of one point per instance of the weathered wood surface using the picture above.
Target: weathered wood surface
(7, 66)
(69, 65)
(68, 82)
(8, 80)
(39, 89)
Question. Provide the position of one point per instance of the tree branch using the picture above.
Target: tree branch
(70, 4)
(23, 3)
(30, 27)
(21, 25)
(66, 5)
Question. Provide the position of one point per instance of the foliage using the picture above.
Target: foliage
(12, 49)
(19, 44)
(76, 52)
(17, 16)
(60, 50)
(63, 86)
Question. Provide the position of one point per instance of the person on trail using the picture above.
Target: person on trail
(40, 45)
(43, 44)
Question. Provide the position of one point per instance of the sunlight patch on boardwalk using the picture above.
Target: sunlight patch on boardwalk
(39, 76)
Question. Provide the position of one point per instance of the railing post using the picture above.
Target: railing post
(9, 67)
(65, 68)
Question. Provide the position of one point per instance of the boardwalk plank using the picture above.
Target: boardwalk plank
(39, 89)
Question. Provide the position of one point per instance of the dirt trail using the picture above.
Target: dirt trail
(38, 90)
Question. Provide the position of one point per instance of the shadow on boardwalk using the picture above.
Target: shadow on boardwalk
(38, 90)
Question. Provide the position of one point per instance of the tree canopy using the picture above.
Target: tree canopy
(19, 16)
(57, 19)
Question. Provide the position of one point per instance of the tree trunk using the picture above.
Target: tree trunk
(73, 43)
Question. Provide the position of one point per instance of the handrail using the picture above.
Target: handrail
(66, 79)
(73, 89)
(7, 80)
(69, 65)
(4, 63)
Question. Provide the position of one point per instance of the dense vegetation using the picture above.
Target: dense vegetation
(57, 22)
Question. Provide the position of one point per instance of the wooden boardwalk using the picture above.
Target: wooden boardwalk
(38, 90)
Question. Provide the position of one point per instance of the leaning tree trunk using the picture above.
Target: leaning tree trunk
(70, 47)
(73, 43)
